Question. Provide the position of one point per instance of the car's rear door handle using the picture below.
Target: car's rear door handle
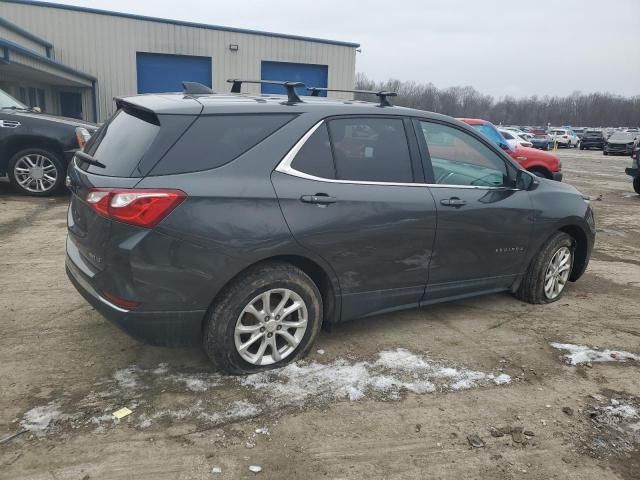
(453, 202)
(318, 199)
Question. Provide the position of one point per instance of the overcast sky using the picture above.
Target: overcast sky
(500, 47)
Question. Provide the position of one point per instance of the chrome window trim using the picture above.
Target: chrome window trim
(285, 167)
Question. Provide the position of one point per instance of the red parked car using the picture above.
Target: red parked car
(543, 164)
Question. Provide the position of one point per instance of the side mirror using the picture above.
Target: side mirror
(525, 181)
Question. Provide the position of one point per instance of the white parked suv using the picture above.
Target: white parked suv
(514, 139)
(564, 137)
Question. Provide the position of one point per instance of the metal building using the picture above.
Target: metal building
(73, 60)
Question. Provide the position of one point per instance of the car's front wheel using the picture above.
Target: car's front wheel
(36, 172)
(636, 185)
(547, 275)
(264, 319)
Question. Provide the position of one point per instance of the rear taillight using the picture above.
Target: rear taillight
(120, 302)
(137, 206)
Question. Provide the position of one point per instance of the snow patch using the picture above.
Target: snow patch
(38, 419)
(393, 372)
(579, 354)
(126, 377)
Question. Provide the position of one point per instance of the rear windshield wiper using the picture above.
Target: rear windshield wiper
(86, 158)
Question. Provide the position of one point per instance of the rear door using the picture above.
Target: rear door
(348, 193)
(484, 224)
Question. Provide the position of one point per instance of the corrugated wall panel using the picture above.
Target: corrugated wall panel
(105, 46)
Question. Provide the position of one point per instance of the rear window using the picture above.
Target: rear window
(593, 134)
(215, 140)
(120, 144)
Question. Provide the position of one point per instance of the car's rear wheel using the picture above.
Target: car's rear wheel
(264, 319)
(604, 152)
(36, 172)
(547, 275)
(636, 185)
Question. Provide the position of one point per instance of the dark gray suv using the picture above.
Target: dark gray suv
(247, 221)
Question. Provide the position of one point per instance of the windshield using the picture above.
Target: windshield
(7, 101)
(492, 133)
(621, 137)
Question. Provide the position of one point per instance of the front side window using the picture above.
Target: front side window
(460, 159)
(371, 149)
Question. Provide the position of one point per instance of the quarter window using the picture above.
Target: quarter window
(460, 159)
(371, 149)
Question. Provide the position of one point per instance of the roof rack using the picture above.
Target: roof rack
(290, 86)
(382, 94)
(195, 88)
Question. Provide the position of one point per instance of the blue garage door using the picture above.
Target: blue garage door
(159, 72)
(310, 75)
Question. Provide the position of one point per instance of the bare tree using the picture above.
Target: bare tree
(577, 109)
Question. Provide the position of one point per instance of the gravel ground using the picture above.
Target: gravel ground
(471, 389)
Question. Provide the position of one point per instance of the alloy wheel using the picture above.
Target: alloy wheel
(271, 326)
(35, 173)
(557, 273)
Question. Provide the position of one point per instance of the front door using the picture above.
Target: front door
(353, 201)
(484, 224)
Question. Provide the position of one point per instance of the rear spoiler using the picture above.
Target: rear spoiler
(138, 111)
(154, 105)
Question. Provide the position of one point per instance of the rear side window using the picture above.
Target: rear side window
(315, 158)
(120, 144)
(371, 149)
(215, 140)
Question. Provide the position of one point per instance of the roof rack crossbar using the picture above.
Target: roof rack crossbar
(290, 86)
(195, 88)
(382, 94)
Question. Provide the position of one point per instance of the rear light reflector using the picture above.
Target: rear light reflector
(120, 302)
(136, 206)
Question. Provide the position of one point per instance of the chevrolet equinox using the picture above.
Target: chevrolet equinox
(245, 222)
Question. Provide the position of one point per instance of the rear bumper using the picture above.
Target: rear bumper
(155, 328)
(557, 176)
(632, 172)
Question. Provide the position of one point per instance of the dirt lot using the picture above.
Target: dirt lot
(392, 397)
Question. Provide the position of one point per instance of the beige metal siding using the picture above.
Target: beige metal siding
(23, 41)
(105, 47)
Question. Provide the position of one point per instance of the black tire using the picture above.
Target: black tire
(636, 185)
(531, 289)
(604, 152)
(581, 147)
(220, 325)
(50, 156)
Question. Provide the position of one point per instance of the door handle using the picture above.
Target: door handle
(319, 199)
(453, 202)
